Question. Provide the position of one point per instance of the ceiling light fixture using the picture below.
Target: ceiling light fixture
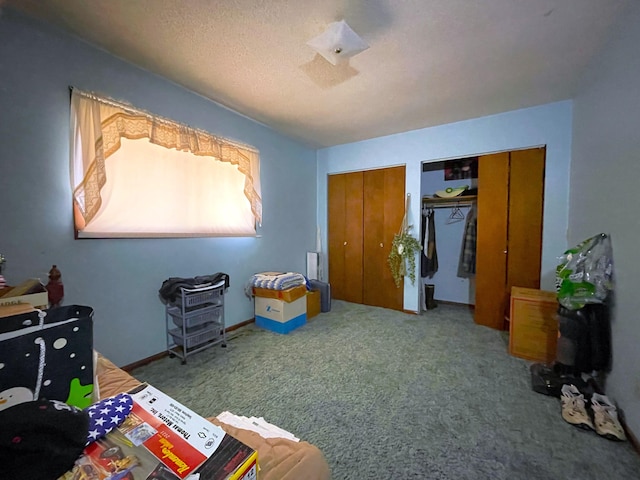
(338, 43)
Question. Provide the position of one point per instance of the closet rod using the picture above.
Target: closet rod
(465, 201)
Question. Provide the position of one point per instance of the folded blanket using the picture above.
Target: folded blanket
(276, 280)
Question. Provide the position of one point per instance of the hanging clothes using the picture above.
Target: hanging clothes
(423, 234)
(467, 263)
(429, 257)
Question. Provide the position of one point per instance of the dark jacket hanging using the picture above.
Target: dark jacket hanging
(429, 257)
(467, 263)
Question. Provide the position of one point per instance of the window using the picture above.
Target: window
(138, 175)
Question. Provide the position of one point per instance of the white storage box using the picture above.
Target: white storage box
(279, 310)
(280, 316)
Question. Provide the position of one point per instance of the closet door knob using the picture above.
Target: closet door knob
(505, 252)
(381, 245)
(345, 244)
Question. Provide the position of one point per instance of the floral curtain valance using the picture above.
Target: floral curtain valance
(97, 126)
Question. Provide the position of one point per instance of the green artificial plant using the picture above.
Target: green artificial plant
(402, 258)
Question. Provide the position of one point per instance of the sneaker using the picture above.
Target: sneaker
(605, 418)
(574, 408)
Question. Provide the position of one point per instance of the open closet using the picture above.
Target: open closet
(507, 211)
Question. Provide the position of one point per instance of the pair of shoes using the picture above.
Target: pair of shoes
(574, 408)
(605, 418)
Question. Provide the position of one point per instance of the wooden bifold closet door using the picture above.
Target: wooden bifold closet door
(345, 233)
(365, 211)
(509, 230)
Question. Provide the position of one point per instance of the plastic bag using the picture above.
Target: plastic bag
(585, 273)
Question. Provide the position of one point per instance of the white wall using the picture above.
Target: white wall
(604, 192)
(548, 125)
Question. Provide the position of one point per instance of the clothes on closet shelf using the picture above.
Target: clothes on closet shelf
(429, 256)
(467, 263)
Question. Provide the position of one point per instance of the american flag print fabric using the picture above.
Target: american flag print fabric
(107, 414)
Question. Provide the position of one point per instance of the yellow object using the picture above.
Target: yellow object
(451, 192)
(248, 470)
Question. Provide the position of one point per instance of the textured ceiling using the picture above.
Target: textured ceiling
(429, 62)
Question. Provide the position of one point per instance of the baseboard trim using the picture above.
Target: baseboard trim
(241, 324)
(144, 361)
(158, 356)
(456, 304)
(459, 304)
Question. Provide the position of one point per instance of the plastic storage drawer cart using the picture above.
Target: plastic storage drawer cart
(195, 321)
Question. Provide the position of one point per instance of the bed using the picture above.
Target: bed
(278, 458)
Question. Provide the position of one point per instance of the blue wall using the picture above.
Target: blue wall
(548, 125)
(120, 278)
(449, 235)
(604, 192)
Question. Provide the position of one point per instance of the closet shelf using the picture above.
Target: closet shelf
(460, 201)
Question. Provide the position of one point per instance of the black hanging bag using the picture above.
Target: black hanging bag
(47, 355)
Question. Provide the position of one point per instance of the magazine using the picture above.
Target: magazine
(159, 440)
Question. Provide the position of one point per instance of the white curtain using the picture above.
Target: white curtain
(134, 174)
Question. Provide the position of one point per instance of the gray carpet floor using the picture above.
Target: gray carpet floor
(389, 395)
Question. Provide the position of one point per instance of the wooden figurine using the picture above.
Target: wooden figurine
(55, 288)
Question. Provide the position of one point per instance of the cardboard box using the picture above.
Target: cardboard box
(30, 291)
(281, 327)
(15, 309)
(279, 310)
(533, 326)
(280, 316)
(313, 304)
(288, 295)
